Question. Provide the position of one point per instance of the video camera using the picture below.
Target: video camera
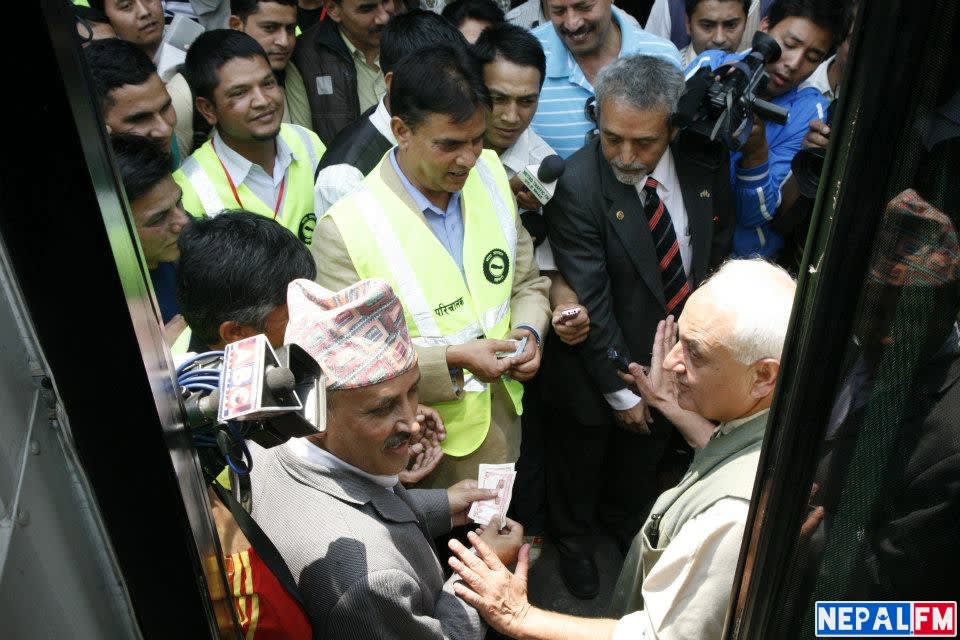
(722, 109)
(248, 391)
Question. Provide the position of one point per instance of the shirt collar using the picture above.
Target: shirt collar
(306, 450)
(239, 167)
(561, 63)
(727, 427)
(517, 155)
(419, 199)
(355, 53)
(380, 119)
(820, 80)
(665, 173)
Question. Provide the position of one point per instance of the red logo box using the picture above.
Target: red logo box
(936, 619)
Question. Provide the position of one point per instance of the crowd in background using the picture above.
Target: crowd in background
(360, 177)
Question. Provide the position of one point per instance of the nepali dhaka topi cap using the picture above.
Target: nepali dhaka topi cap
(358, 335)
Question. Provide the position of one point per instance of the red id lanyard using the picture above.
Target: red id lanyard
(233, 187)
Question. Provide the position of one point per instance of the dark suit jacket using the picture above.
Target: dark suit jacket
(603, 248)
(359, 144)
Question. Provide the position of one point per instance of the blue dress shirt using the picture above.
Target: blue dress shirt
(446, 225)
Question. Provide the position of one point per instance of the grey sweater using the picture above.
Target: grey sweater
(362, 555)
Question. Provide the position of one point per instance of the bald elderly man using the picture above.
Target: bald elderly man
(677, 577)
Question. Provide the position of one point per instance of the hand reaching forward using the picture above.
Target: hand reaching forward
(488, 586)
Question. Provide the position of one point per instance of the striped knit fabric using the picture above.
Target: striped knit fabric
(676, 287)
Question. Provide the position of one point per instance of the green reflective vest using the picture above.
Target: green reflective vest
(387, 239)
(206, 189)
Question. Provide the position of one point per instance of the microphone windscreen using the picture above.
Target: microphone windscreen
(550, 169)
(693, 96)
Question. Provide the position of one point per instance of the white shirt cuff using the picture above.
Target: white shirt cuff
(622, 400)
(635, 626)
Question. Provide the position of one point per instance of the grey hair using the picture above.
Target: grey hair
(643, 82)
(758, 296)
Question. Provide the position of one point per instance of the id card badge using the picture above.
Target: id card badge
(324, 85)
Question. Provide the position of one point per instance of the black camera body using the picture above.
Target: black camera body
(719, 103)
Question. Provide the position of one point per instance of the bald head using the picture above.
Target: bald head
(732, 330)
(755, 297)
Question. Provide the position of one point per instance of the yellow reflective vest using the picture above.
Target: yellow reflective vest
(206, 190)
(387, 239)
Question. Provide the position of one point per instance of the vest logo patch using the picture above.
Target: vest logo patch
(496, 266)
(307, 225)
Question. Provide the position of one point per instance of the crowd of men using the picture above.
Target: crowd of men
(347, 176)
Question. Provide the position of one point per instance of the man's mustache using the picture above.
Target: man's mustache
(579, 32)
(633, 166)
(396, 440)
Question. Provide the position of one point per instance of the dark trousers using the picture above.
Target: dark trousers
(528, 505)
(602, 476)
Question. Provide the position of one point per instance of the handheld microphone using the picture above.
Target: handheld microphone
(542, 181)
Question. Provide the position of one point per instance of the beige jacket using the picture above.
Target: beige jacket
(529, 305)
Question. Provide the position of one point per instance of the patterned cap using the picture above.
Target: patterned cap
(917, 246)
(357, 335)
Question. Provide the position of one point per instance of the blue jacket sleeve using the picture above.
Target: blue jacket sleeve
(757, 189)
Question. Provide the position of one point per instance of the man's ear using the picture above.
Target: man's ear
(401, 132)
(207, 110)
(764, 24)
(235, 23)
(686, 21)
(765, 376)
(334, 10)
(231, 331)
(387, 79)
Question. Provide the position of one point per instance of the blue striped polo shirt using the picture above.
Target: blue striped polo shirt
(560, 119)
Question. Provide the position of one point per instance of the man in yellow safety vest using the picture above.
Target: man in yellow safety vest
(251, 161)
(438, 221)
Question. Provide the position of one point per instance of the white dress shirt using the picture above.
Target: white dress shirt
(695, 572)
(313, 454)
(528, 15)
(820, 80)
(242, 171)
(339, 180)
(530, 149)
(668, 189)
(687, 592)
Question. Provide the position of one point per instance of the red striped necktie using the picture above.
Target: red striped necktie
(676, 287)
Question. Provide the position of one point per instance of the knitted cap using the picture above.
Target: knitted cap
(358, 335)
(917, 246)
